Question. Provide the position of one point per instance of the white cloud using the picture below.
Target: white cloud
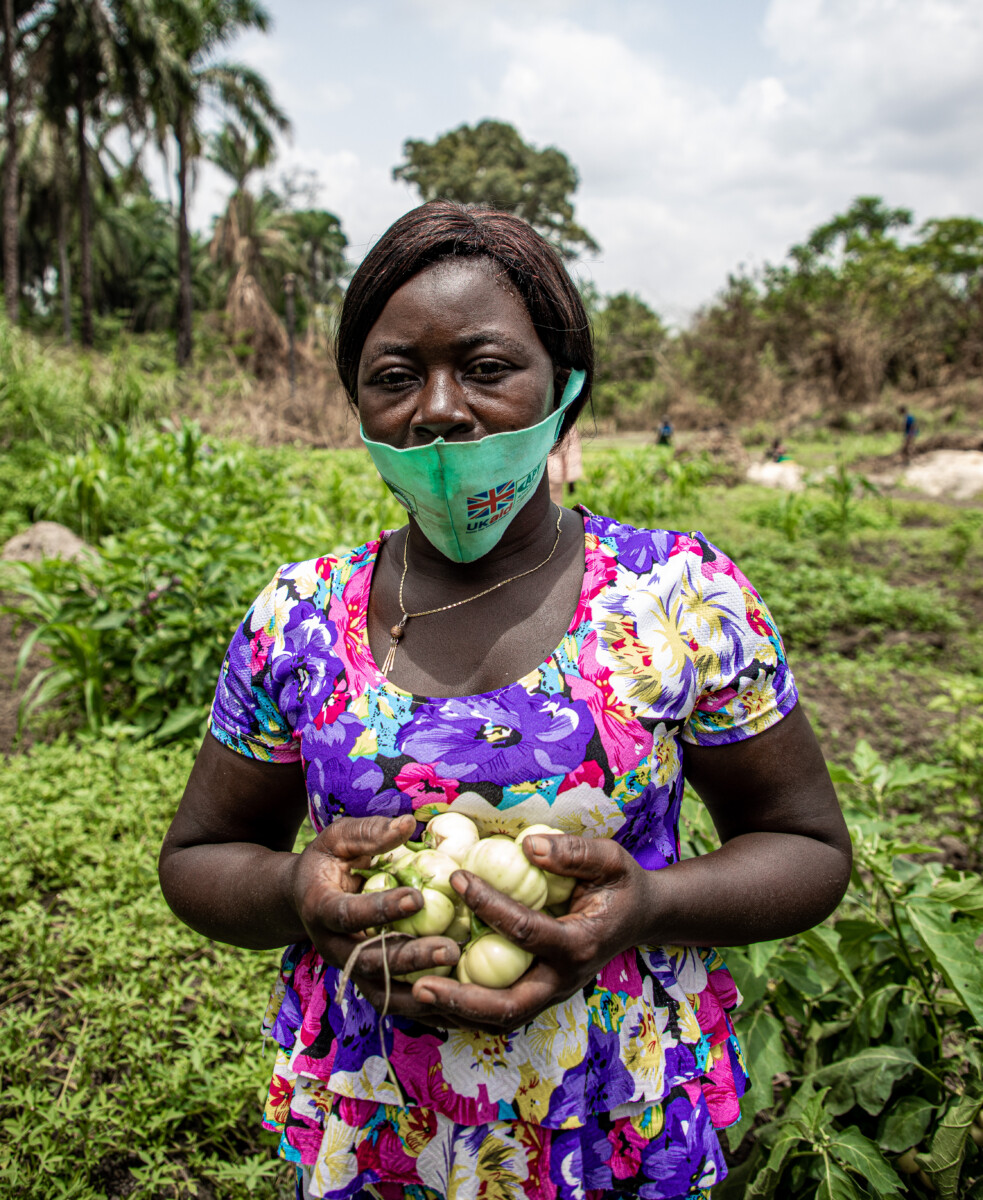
(685, 174)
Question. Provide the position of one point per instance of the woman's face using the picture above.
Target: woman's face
(454, 354)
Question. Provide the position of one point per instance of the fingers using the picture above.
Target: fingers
(405, 955)
(354, 912)
(594, 860)
(496, 1008)
(357, 837)
(536, 932)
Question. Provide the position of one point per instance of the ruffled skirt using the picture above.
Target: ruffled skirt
(611, 1126)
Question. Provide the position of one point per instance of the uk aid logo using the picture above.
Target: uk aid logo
(485, 508)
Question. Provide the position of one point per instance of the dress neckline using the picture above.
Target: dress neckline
(382, 683)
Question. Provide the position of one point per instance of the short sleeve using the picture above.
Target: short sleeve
(253, 712)
(745, 684)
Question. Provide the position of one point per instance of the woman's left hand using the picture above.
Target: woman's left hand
(610, 911)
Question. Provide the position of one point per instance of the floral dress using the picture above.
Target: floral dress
(620, 1089)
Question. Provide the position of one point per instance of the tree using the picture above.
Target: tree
(254, 236)
(229, 86)
(491, 165)
(96, 58)
(14, 15)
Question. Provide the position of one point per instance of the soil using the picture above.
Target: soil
(44, 539)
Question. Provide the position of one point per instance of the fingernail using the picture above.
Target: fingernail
(536, 845)
(408, 904)
(426, 996)
(459, 883)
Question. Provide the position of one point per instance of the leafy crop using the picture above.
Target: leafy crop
(869, 1026)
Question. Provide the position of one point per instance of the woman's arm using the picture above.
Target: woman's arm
(227, 870)
(783, 866)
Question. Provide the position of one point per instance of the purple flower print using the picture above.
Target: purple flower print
(307, 667)
(643, 549)
(507, 737)
(336, 783)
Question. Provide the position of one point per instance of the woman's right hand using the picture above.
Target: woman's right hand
(336, 914)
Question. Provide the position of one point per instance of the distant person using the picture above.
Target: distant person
(565, 466)
(777, 452)
(665, 433)
(910, 433)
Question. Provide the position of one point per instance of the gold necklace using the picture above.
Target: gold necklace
(397, 631)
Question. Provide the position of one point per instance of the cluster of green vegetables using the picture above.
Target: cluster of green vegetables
(451, 842)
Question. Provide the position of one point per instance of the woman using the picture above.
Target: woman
(538, 663)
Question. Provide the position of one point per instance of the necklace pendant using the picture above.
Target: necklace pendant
(395, 634)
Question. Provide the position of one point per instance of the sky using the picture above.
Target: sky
(709, 135)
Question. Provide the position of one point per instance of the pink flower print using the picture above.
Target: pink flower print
(720, 1091)
(755, 617)
(260, 651)
(396, 1165)
(626, 1146)
(722, 984)
(324, 566)
(423, 785)
(621, 974)
(349, 615)
(721, 565)
(588, 772)
(416, 1061)
(625, 741)
(684, 544)
(334, 705)
(715, 701)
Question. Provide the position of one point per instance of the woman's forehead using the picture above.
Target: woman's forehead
(463, 298)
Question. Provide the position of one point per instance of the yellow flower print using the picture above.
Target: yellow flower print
(689, 1026)
(367, 742)
(532, 1097)
(642, 1049)
(649, 1123)
(336, 1165)
(413, 1129)
(306, 580)
(666, 760)
(606, 1009)
(556, 1035)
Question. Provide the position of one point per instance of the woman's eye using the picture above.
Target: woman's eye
(489, 369)
(391, 379)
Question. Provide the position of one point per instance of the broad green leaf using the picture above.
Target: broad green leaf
(768, 1177)
(943, 1162)
(964, 893)
(760, 954)
(824, 942)
(951, 945)
(860, 1154)
(761, 1036)
(906, 1123)
(866, 1078)
(834, 1183)
(179, 720)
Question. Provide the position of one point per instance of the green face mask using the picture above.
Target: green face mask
(464, 495)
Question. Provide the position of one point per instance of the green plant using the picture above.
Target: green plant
(867, 1027)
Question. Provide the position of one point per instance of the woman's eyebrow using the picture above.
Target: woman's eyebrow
(482, 337)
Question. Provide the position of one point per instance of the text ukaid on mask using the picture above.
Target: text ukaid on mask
(464, 495)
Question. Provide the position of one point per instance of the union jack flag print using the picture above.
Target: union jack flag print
(494, 502)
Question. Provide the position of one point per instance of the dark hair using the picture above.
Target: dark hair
(440, 230)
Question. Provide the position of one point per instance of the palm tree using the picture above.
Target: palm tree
(14, 25)
(255, 234)
(97, 57)
(208, 80)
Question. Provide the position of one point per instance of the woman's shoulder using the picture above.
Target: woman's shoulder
(643, 550)
(333, 569)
